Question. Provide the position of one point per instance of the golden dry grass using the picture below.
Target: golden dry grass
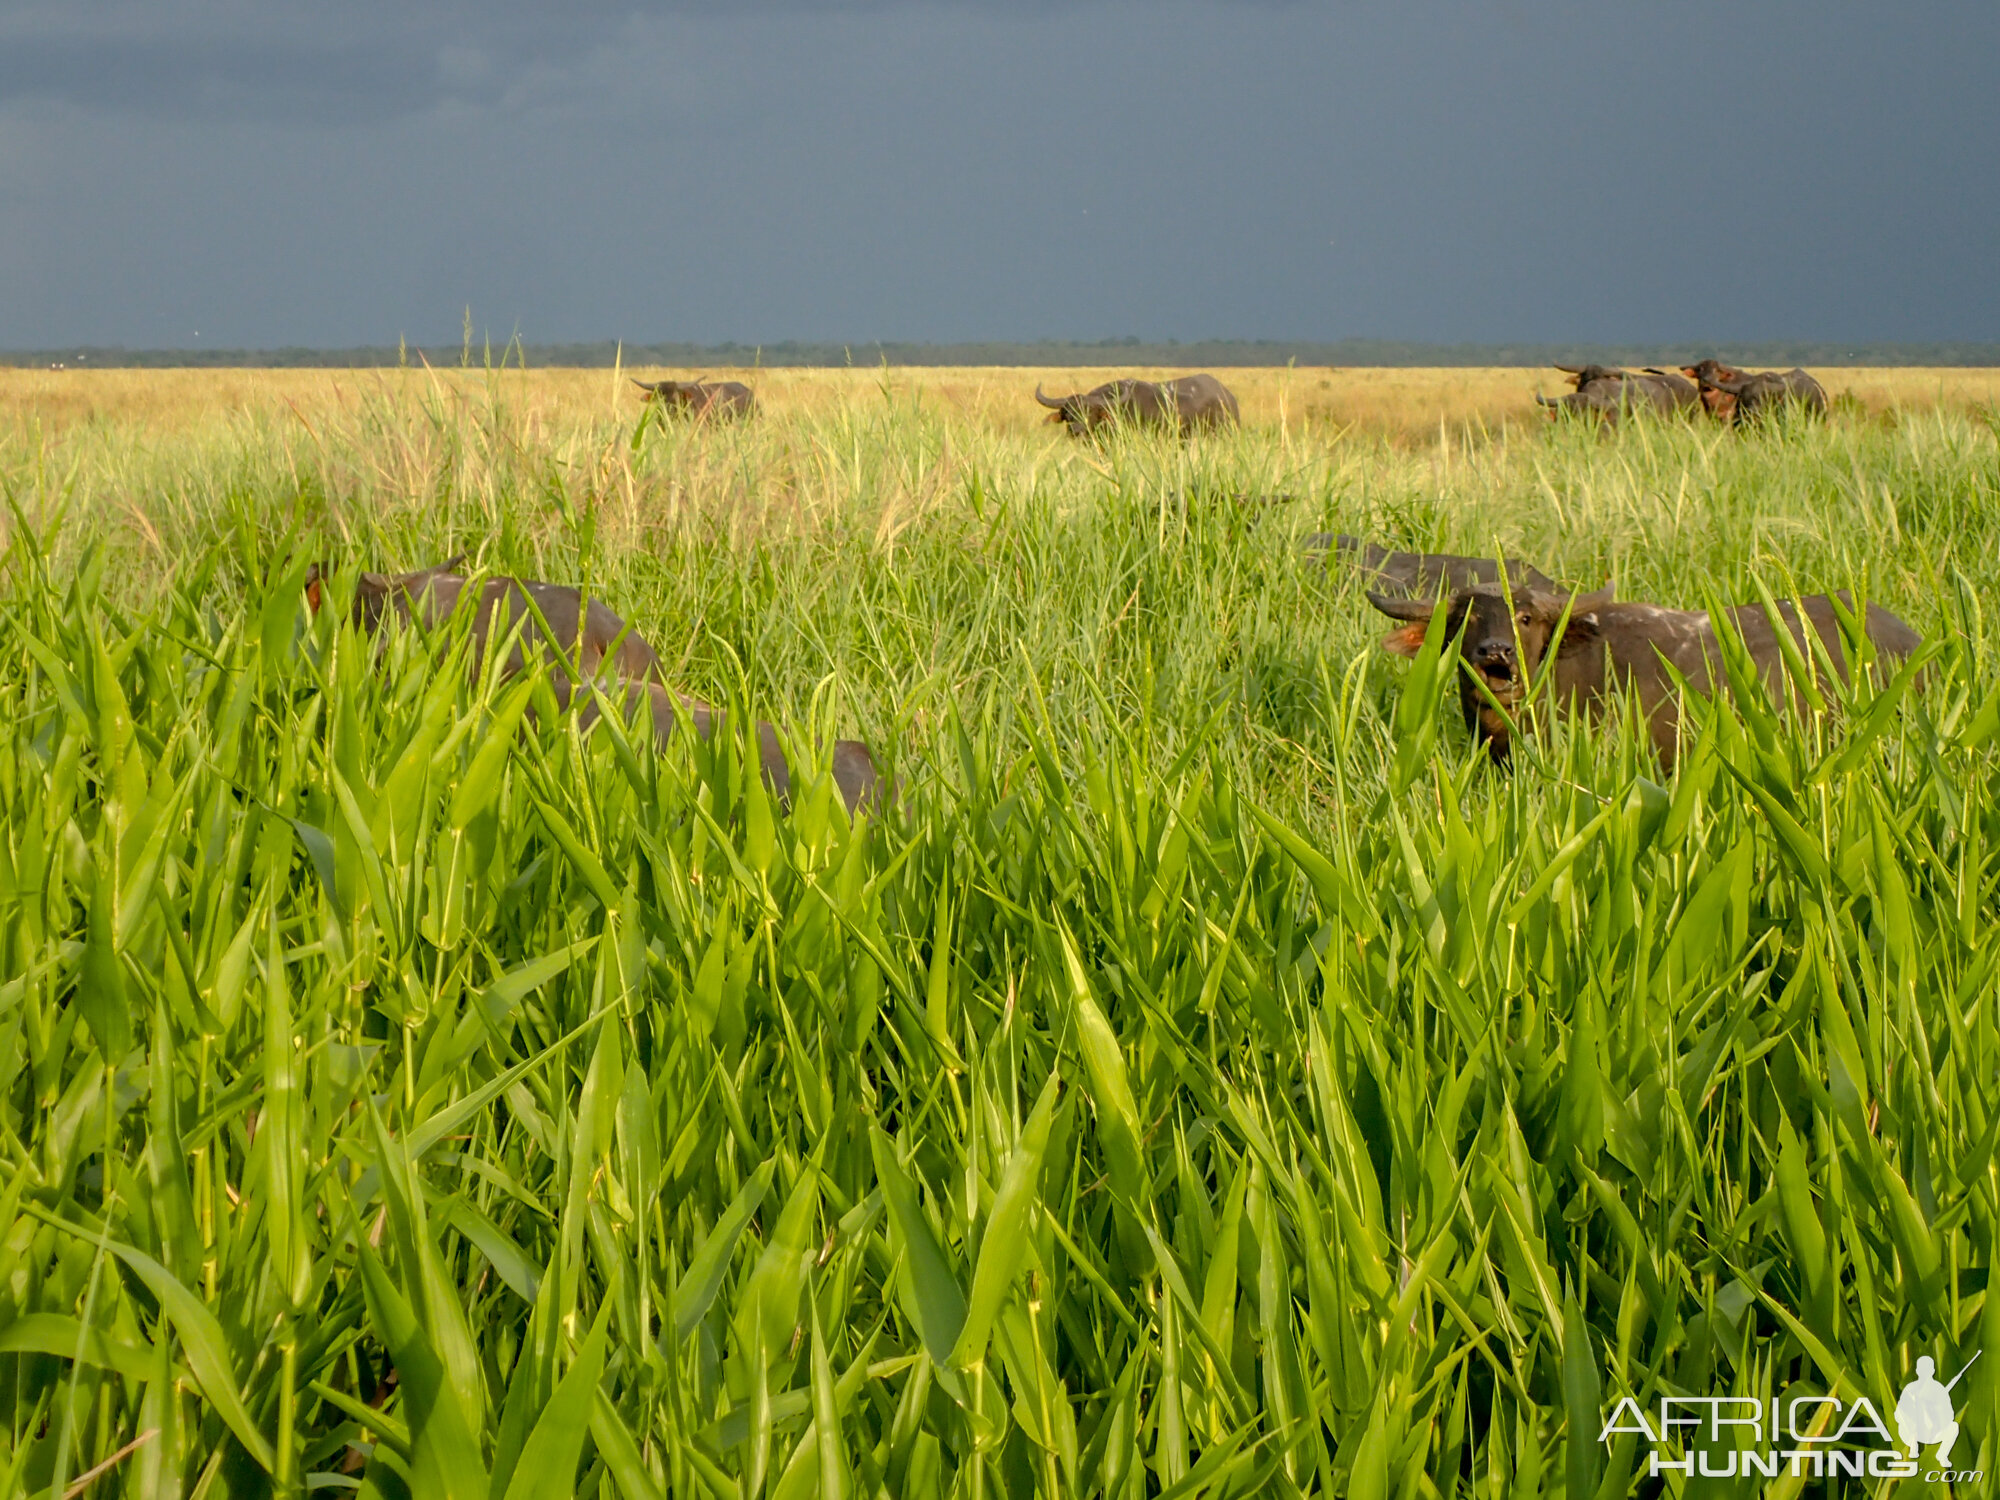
(1399, 403)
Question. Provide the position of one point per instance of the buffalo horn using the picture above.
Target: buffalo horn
(1402, 609)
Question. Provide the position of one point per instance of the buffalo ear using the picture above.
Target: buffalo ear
(1406, 642)
(1582, 629)
(1418, 610)
(315, 577)
(1580, 632)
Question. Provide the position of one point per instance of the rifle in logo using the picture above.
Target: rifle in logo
(1924, 1413)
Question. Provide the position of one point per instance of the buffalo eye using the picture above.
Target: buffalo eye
(1525, 618)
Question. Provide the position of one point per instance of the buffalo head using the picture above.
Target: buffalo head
(1076, 411)
(1506, 636)
(372, 590)
(1583, 375)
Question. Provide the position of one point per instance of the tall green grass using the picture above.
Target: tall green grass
(1208, 1079)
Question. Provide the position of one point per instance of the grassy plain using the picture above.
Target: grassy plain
(1404, 403)
(1208, 1079)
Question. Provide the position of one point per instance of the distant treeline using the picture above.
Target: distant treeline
(1219, 353)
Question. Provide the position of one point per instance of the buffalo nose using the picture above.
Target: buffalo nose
(1496, 654)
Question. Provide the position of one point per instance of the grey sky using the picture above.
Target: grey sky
(341, 174)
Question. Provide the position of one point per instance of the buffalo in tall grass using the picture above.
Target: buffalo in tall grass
(1738, 396)
(1601, 644)
(577, 640)
(717, 400)
(1610, 394)
(1185, 405)
(1717, 402)
(1773, 390)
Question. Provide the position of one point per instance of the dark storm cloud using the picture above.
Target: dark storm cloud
(358, 61)
(945, 169)
(209, 59)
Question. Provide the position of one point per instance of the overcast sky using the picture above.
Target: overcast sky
(178, 173)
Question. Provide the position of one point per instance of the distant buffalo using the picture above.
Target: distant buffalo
(1607, 645)
(717, 400)
(1186, 404)
(1610, 394)
(1752, 395)
(583, 636)
(1425, 575)
(1719, 403)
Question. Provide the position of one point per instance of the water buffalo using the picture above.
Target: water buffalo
(1428, 575)
(717, 400)
(1718, 403)
(1607, 644)
(1186, 404)
(583, 637)
(1768, 390)
(1605, 392)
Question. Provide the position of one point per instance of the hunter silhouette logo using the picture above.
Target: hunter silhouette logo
(1800, 1435)
(1924, 1414)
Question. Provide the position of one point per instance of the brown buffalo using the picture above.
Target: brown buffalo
(1184, 405)
(1771, 390)
(1429, 575)
(1606, 645)
(584, 640)
(1717, 402)
(717, 400)
(1610, 394)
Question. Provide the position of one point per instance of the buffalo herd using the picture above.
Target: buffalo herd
(1503, 620)
(1195, 403)
(1504, 617)
(1190, 404)
(1731, 396)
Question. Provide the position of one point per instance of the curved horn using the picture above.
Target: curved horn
(1584, 604)
(1571, 369)
(644, 385)
(1403, 609)
(1541, 400)
(1044, 399)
